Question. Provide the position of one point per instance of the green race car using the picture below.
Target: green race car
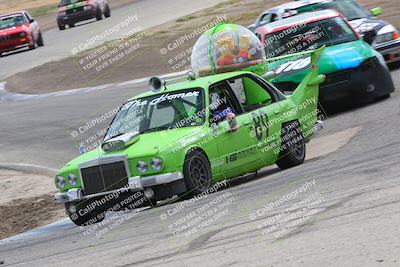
(181, 137)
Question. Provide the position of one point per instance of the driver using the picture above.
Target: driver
(219, 107)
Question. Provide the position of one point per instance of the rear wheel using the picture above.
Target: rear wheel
(40, 41)
(99, 15)
(197, 173)
(293, 148)
(71, 25)
(107, 11)
(61, 27)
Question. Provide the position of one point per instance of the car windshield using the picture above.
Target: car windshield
(310, 36)
(348, 8)
(67, 2)
(11, 21)
(159, 112)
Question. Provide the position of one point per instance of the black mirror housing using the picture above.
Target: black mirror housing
(369, 36)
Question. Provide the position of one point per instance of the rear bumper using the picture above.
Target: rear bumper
(390, 51)
(76, 17)
(369, 81)
(173, 182)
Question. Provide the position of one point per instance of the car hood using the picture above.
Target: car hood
(143, 145)
(334, 58)
(12, 30)
(367, 24)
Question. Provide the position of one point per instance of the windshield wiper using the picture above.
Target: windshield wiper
(155, 129)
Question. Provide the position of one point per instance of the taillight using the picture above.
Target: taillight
(396, 35)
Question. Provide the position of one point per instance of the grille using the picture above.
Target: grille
(104, 177)
(71, 11)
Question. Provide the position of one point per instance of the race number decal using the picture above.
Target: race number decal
(260, 120)
(293, 66)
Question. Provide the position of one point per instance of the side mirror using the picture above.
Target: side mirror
(376, 11)
(369, 36)
(31, 20)
(317, 80)
(231, 119)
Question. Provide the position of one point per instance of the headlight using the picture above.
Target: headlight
(383, 38)
(141, 166)
(72, 180)
(60, 182)
(156, 164)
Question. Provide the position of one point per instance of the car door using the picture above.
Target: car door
(234, 146)
(260, 101)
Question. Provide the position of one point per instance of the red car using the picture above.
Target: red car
(18, 30)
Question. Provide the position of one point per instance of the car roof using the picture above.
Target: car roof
(295, 5)
(13, 13)
(299, 19)
(202, 82)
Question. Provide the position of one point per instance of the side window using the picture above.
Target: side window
(274, 17)
(266, 18)
(250, 93)
(222, 102)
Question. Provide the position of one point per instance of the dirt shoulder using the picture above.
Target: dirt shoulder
(144, 57)
(26, 202)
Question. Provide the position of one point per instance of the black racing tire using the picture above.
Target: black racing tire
(107, 11)
(40, 41)
(61, 27)
(72, 25)
(33, 46)
(197, 173)
(87, 218)
(293, 148)
(99, 15)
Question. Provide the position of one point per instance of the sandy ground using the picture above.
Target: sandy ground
(26, 201)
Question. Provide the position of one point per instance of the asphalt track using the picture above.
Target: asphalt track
(356, 224)
(60, 44)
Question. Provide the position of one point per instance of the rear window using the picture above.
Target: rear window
(67, 2)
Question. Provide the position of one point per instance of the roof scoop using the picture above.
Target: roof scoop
(120, 142)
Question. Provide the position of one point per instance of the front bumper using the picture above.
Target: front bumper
(76, 16)
(155, 182)
(10, 45)
(389, 50)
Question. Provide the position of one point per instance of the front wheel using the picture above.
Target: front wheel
(40, 41)
(293, 147)
(61, 27)
(99, 15)
(107, 11)
(71, 25)
(197, 173)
